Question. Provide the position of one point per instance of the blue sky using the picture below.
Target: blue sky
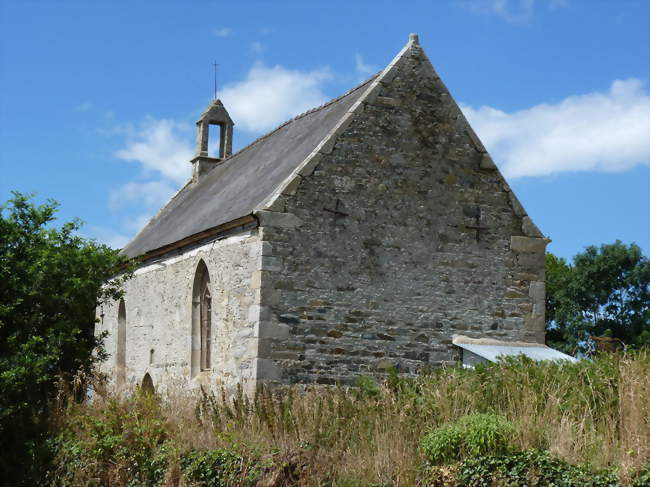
(98, 99)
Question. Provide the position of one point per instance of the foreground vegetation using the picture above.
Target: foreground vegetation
(513, 423)
(50, 283)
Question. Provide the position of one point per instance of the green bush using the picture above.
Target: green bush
(122, 443)
(367, 387)
(641, 478)
(218, 468)
(533, 468)
(443, 444)
(475, 434)
(485, 434)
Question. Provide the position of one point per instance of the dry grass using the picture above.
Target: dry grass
(593, 412)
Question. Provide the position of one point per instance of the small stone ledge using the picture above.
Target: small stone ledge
(528, 244)
(277, 219)
(487, 163)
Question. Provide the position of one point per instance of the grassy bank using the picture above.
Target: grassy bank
(594, 414)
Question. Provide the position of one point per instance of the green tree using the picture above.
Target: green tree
(51, 280)
(605, 291)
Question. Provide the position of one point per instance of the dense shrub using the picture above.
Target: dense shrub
(123, 443)
(475, 434)
(443, 444)
(642, 477)
(532, 468)
(51, 280)
(218, 468)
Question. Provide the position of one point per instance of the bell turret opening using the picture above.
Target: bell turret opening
(213, 139)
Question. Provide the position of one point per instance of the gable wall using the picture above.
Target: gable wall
(389, 284)
(159, 316)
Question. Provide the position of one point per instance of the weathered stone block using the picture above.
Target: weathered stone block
(528, 244)
(534, 323)
(291, 188)
(270, 263)
(487, 162)
(256, 280)
(387, 101)
(268, 370)
(537, 291)
(277, 219)
(311, 164)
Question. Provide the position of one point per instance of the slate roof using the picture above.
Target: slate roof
(237, 186)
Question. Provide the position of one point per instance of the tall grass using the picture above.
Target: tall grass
(595, 412)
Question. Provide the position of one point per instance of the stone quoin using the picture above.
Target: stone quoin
(359, 236)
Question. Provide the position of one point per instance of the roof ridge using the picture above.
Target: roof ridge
(304, 114)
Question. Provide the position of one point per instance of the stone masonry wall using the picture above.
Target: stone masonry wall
(159, 317)
(368, 261)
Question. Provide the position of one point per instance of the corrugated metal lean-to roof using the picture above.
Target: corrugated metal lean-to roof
(487, 349)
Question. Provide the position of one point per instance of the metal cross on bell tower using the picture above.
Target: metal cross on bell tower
(214, 65)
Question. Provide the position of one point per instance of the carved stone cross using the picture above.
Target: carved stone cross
(336, 212)
(477, 226)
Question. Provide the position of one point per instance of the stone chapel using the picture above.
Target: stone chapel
(359, 236)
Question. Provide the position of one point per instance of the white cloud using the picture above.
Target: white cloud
(152, 194)
(107, 236)
(269, 96)
(161, 147)
(363, 69)
(222, 32)
(594, 132)
(514, 11)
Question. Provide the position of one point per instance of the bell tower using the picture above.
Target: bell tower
(215, 117)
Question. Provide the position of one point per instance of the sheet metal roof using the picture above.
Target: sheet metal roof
(235, 187)
(492, 349)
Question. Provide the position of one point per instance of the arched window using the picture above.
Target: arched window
(147, 384)
(120, 352)
(201, 320)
